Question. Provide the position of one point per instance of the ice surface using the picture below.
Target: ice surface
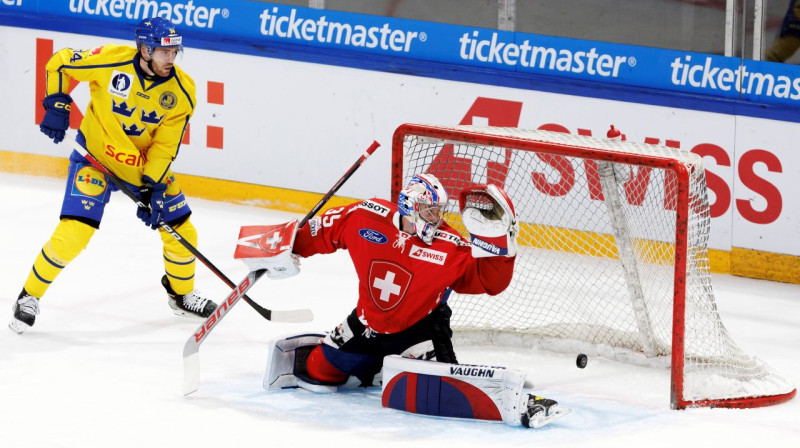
(102, 366)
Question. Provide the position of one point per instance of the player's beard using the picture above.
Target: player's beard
(160, 69)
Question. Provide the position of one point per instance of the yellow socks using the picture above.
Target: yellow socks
(67, 241)
(178, 261)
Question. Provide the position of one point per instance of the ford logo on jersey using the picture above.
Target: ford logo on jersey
(373, 236)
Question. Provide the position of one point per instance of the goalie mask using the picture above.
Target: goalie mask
(423, 201)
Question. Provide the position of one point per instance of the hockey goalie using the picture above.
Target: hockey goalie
(408, 260)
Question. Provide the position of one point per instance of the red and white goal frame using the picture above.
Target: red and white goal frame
(613, 256)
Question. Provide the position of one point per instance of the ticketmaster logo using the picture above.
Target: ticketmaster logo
(178, 13)
(526, 55)
(323, 31)
(706, 75)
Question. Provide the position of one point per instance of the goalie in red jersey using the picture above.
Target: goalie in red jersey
(408, 260)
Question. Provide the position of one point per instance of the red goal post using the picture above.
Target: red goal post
(613, 256)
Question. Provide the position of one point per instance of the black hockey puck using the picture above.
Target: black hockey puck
(581, 361)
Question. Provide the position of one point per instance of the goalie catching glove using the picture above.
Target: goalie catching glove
(490, 219)
(270, 248)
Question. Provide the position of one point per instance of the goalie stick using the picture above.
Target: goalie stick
(302, 315)
(191, 355)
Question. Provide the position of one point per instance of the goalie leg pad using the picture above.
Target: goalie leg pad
(453, 390)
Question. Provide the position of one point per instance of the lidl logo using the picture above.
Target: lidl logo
(90, 182)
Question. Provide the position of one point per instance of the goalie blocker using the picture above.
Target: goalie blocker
(269, 247)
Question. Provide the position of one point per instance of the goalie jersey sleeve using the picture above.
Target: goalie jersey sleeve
(401, 279)
(132, 125)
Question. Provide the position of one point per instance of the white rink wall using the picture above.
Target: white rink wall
(297, 125)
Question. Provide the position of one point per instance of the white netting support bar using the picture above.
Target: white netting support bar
(622, 237)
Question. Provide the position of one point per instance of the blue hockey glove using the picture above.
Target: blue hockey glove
(56, 116)
(152, 194)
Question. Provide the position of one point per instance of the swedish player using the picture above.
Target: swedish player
(139, 108)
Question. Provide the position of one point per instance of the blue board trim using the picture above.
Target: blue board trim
(416, 67)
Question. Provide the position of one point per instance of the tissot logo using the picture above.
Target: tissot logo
(374, 207)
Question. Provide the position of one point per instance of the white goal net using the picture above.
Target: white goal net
(613, 254)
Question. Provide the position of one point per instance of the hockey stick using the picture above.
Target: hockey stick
(302, 315)
(191, 355)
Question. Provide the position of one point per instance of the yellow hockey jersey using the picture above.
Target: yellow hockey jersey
(132, 125)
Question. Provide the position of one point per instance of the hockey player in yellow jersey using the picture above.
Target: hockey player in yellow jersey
(140, 106)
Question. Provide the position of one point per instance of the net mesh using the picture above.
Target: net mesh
(595, 269)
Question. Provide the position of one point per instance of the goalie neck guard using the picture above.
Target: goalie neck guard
(423, 201)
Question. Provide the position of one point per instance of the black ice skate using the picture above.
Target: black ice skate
(25, 310)
(541, 411)
(189, 304)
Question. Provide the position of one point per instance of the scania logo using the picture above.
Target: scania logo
(373, 236)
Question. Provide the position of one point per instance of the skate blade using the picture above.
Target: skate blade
(182, 313)
(17, 326)
(542, 421)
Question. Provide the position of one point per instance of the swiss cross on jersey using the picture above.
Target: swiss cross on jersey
(260, 246)
(388, 283)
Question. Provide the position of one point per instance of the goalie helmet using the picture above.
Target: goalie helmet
(157, 32)
(423, 201)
